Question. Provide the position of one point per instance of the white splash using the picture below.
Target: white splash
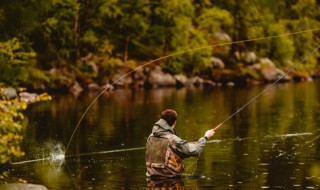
(58, 157)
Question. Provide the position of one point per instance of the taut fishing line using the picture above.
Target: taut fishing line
(182, 52)
(49, 158)
(59, 157)
(266, 89)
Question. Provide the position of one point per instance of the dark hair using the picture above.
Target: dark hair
(169, 115)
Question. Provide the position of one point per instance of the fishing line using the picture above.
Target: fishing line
(266, 89)
(295, 147)
(107, 152)
(194, 169)
(50, 158)
(170, 55)
(82, 154)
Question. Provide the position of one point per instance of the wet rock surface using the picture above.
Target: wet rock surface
(22, 186)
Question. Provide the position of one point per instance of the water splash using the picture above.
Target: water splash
(54, 152)
(58, 157)
(51, 151)
(57, 153)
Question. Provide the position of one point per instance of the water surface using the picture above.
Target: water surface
(271, 144)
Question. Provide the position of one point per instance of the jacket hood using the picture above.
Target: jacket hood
(161, 128)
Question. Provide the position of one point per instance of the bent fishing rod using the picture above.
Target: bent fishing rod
(266, 89)
(171, 55)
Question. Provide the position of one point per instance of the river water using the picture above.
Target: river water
(271, 144)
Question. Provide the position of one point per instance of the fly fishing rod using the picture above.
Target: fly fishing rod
(266, 89)
(171, 55)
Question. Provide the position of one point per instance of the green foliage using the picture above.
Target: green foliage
(212, 20)
(11, 126)
(65, 32)
(10, 129)
(281, 49)
(13, 62)
(55, 37)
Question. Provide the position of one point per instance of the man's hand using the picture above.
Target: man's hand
(209, 133)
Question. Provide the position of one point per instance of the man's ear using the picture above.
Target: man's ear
(174, 124)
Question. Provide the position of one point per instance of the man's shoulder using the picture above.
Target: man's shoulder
(175, 138)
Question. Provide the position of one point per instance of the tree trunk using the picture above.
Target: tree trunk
(126, 48)
(76, 36)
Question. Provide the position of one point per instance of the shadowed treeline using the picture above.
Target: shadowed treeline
(64, 45)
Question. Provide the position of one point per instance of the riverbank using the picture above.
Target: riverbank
(252, 71)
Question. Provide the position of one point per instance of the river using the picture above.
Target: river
(273, 143)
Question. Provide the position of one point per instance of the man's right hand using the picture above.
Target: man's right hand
(209, 133)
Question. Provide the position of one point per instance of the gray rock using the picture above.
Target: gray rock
(181, 79)
(28, 97)
(217, 63)
(22, 186)
(107, 86)
(122, 80)
(222, 36)
(76, 89)
(271, 73)
(267, 61)
(209, 83)
(230, 84)
(256, 66)
(196, 81)
(250, 57)
(159, 78)
(9, 93)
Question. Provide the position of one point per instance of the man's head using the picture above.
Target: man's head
(170, 116)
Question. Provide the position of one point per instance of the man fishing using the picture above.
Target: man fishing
(166, 151)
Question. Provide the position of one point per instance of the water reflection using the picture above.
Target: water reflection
(165, 184)
(273, 143)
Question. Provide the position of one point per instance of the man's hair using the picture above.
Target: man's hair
(169, 115)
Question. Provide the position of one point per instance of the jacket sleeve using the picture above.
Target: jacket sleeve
(187, 149)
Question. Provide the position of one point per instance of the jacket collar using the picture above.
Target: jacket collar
(162, 126)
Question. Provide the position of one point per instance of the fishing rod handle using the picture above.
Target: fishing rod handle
(217, 127)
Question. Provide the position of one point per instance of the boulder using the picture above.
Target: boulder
(28, 97)
(107, 87)
(222, 36)
(181, 80)
(256, 67)
(76, 88)
(8, 93)
(197, 81)
(93, 87)
(120, 80)
(94, 67)
(217, 63)
(230, 84)
(158, 78)
(209, 83)
(267, 62)
(250, 57)
(271, 73)
(22, 186)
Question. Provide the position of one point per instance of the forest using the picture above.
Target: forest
(55, 45)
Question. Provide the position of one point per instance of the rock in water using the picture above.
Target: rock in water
(22, 186)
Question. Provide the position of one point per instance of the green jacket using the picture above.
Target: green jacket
(184, 148)
(166, 151)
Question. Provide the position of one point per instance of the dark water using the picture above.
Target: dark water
(272, 144)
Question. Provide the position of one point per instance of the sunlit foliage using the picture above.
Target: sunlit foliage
(63, 33)
(13, 61)
(12, 124)
(10, 129)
